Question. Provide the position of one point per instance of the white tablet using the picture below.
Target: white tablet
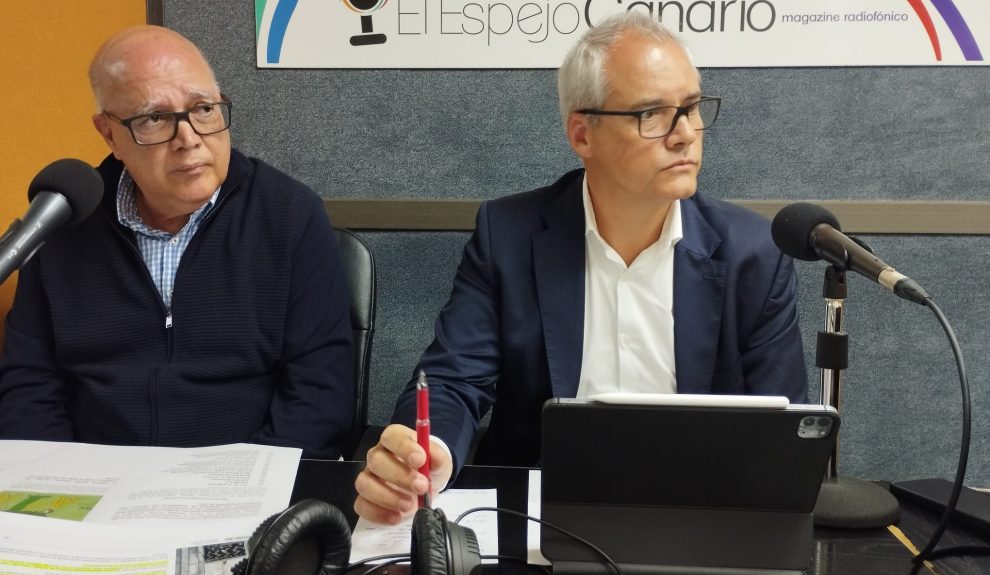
(693, 400)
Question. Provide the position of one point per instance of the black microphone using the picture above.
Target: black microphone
(810, 232)
(64, 193)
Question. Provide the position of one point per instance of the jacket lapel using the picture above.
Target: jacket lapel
(699, 290)
(558, 262)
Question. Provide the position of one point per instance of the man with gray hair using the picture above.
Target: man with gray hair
(203, 302)
(618, 277)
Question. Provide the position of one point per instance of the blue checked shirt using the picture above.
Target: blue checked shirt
(161, 250)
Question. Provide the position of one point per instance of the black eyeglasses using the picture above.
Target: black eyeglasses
(160, 127)
(660, 121)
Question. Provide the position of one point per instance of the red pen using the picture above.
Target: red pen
(423, 432)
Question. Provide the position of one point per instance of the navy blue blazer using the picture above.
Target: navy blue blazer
(512, 334)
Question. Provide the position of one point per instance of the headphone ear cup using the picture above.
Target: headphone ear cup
(465, 553)
(428, 553)
(440, 547)
(311, 537)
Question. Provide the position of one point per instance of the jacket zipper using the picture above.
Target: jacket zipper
(153, 378)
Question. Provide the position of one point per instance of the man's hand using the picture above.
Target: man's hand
(390, 484)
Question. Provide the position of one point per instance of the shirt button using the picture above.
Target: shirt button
(175, 241)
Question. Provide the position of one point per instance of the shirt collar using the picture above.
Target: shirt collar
(127, 210)
(672, 231)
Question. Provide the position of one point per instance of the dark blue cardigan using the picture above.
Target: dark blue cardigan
(259, 348)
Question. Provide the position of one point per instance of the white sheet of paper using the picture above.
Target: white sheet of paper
(146, 485)
(209, 483)
(371, 540)
(533, 555)
(31, 545)
(135, 510)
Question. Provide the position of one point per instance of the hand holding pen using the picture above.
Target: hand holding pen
(404, 464)
(423, 431)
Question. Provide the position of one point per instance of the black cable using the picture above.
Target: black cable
(394, 559)
(561, 530)
(929, 551)
(367, 560)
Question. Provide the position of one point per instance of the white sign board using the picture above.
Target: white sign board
(537, 33)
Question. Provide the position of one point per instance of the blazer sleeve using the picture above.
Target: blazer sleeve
(462, 363)
(773, 358)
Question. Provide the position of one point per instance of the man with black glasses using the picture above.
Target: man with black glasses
(202, 303)
(618, 277)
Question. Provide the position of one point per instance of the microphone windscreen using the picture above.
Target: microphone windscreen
(792, 226)
(76, 181)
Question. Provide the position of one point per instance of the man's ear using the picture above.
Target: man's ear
(578, 134)
(102, 125)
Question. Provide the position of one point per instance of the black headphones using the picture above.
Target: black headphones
(312, 537)
(440, 547)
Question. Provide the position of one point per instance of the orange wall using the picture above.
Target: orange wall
(45, 48)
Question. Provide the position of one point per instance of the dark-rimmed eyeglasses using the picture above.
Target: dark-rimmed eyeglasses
(660, 121)
(160, 127)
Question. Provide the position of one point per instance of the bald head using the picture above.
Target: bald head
(135, 51)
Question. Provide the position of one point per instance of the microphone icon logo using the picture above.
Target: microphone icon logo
(367, 36)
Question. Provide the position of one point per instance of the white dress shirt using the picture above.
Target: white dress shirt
(628, 312)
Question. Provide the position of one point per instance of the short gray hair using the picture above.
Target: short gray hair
(582, 81)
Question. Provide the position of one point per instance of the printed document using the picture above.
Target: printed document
(144, 485)
(66, 508)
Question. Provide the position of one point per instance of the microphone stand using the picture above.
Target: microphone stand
(844, 501)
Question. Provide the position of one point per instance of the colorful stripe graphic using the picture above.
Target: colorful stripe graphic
(957, 25)
(926, 21)
(259, 12)
(276, 32)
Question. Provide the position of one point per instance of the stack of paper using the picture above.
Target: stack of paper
(66, 507)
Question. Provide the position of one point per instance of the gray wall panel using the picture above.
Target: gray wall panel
(902, 403)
